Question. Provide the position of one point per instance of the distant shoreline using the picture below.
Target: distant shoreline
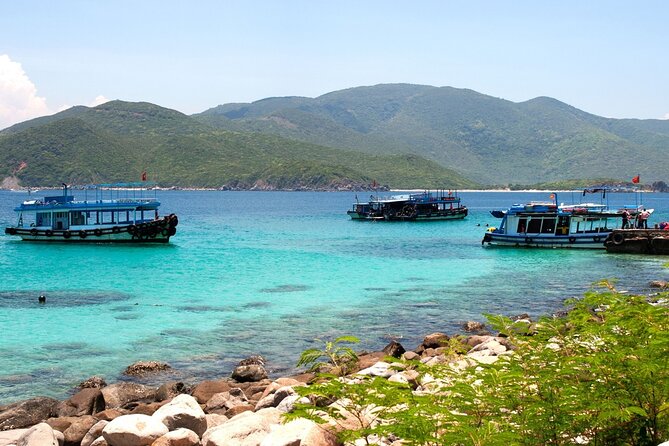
(214, 189)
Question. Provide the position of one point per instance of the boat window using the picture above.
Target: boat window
(43, 219)
(534, 225)
(563, 225)
(60, 220)
(522, 224)
(548, 226)
(77, 218)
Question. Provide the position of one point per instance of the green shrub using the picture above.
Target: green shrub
(598, 376)
(337, 359)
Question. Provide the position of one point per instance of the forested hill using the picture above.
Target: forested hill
(490, 140)
(116, 141)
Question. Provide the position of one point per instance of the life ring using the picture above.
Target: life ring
(98, 232)
(48, 232)
(82, 234)
(572, 239)
(164, 232)
(33, 232)
(618, 238)
(528, 240)
(67, 234)
(115, 229)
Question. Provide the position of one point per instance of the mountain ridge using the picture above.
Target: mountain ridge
(116, 141)
(472, 138)
(535, 140)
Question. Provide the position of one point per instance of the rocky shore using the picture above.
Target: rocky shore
(243, 409)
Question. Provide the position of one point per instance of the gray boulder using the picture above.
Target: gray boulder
(246, 429)
(133, 430)
(93, 433)
(27, 413)
(170, 390)
(143, 368)
(94, 382)
(226, 400)
(85, 402)
(39, 435)
(183, 412)
(179, 437)
(249, 373)
(273, 399)
(118, 395)
(394, 349)
(10, 437)
(299, 432)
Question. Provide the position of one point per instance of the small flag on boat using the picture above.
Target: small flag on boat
(635, 180)
(144, 175)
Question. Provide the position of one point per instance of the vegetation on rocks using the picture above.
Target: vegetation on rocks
(599, 374)
(336, 358)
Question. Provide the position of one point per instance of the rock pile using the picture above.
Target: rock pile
(246, 410)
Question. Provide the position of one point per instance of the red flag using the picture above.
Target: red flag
(144, 175)
(635, 179)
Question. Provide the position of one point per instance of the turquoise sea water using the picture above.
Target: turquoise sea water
(266, 273)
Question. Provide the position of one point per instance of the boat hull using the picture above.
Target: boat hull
(546, 241)
(455, 214)
(157, 231)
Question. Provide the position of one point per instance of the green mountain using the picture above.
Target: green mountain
(491, 140)
(116, 141)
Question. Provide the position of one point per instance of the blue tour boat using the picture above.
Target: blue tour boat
(439, 205)
(549, 225)
(116, 212)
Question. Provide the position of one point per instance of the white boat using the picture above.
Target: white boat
(115, 213)
(549, 225)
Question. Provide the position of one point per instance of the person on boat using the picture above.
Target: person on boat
(642, 220)
(626, 219)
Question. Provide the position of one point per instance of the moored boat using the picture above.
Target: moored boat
(549, 225)
(116, 212)
(438, 205)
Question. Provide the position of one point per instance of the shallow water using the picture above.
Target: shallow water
(266, 273)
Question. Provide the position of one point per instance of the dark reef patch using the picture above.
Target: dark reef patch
(285, 289)
(58, 299)
(252, 305)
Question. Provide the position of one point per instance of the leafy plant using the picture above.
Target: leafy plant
(334, 357)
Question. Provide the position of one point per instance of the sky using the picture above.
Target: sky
(609, 58)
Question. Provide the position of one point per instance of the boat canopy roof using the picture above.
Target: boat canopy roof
(124, 204)
(130, 185)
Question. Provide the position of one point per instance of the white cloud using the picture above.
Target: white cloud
(98, 100)
(18, 95)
